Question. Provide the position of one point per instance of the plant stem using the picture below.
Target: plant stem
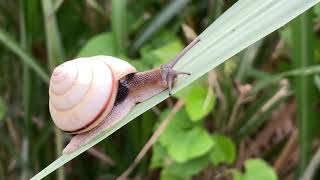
(312, 167)
(55, 56)
(303, 56)
(119, 25)
(26, 94)
(152, 140)
(10, 43)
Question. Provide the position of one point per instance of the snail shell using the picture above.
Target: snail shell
(83, 91)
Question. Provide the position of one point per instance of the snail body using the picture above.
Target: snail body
(88, 95)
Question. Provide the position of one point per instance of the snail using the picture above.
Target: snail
(89, 95)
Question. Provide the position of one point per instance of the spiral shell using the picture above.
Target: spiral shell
(82, 91)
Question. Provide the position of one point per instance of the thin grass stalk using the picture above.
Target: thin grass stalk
(246, 61)
(311, 170)
(54, 45)
(26, 93)
(119, 25)
(55, 56)
(274, 79)
(26, 70)
(303, 49)
(11, 44)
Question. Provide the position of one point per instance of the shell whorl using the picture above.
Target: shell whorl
(82, 91)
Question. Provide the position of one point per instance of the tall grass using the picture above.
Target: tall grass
(303, 56)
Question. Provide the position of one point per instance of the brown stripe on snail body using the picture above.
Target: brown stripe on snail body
(88, 95)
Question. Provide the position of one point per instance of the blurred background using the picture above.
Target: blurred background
(258, 113)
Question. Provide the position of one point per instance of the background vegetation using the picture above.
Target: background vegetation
(253, 117)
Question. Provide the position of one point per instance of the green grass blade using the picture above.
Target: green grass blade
(119, 25)
(315, 69)
(303, 56)
(57, 4)
(161, 20)
(311, 170)
(55, 56)
(243, 24)
(26, 92)
(11, 44)
(54, 45)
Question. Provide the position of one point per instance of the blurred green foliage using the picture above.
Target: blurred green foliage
(256, 169)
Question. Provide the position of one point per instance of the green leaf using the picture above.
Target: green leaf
(186, 145)
(224, 150)
(237, 175)
(179, 123)
(258, 169)
(3, 109)
(101, 44)
(154, 55)
(243, 24)
(167, 52)
(159, 154)
(199, 102)
(184, 170)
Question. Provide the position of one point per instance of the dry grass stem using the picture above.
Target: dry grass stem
(179, 104)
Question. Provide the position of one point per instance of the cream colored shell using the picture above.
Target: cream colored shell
(82, 91)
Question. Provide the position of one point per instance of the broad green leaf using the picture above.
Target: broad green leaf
(243, 24)
(184, 141)
(101, 44)
(189, 144)
(167, 175)
(224, 150)
(184, 170)
(3, 109)
(237, 175)
(258, 169)
(199, 102)
(166, 53)
(162, 50)
(179, 123)
(159, 154)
